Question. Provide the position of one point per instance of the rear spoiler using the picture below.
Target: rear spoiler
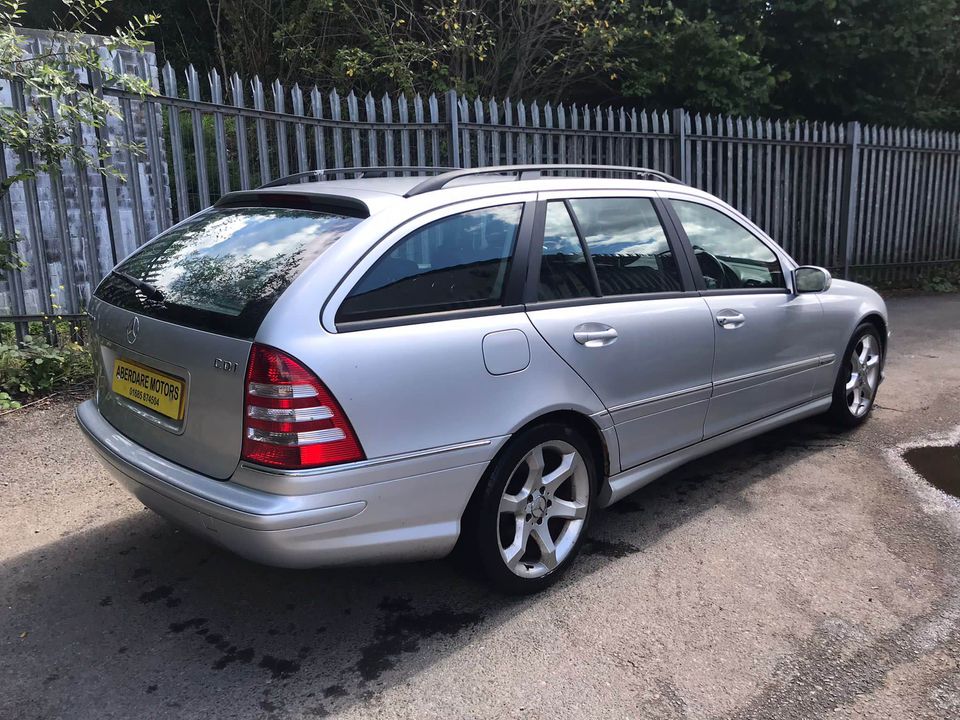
(337, 204)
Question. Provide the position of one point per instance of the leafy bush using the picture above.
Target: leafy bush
(37, 367)
(944, 281)
(7, 402)
(7, 333)
(940, 284)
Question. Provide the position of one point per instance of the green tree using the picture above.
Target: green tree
(489, 47)
(888, 61)
(700, 55)
(56, 96)
(885, 61)
(703, 54)
(186, 34)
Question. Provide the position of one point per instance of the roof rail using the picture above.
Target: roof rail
(530, 172)
(367, 172)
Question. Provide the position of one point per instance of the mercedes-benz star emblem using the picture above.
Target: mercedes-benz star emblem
(133, 329)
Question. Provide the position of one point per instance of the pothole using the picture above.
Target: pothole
(939, 465)
(931, 466)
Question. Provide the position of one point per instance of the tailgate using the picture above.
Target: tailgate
(174, 323)
(149, 372)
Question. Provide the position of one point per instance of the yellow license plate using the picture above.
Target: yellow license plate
(148, 387)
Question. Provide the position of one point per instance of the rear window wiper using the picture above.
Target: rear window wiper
(141, 285)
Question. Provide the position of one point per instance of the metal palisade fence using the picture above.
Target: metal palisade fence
(872, 203)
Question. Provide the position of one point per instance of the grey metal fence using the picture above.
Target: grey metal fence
(873, 203)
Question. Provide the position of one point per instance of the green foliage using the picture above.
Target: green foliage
(695, 58)
(939, 283)
(702, 55)
(943, 281)
(880, 61)
(886, 61)
(7, 402)
(491, 48)
(37, 367)
(56, 97)
(9, 259)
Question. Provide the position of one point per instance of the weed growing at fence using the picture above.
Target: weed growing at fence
(945, 281)
(39, 366)
(941, 279)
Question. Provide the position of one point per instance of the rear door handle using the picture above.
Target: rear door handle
(594, 334)
(730, 319)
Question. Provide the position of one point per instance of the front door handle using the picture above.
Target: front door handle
(730, 319)
(594, 334)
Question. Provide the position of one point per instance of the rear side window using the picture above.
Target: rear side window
(729, 256)
(459, 262)
(223, 269)
(624, 241)
(628, 245)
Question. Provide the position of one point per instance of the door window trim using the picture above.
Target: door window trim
(513, 285)
(430, 317)
(584, 248)
(531, 288)
(783, 259)
(609, 299)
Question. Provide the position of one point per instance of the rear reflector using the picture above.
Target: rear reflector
(290, 419)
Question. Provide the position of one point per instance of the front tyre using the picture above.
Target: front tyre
(858, 380)
(532, 515)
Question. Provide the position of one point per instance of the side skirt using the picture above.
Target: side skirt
(622, 484)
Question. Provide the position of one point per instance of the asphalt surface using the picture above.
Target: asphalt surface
(802, 574)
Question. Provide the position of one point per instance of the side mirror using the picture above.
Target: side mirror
(811, 279)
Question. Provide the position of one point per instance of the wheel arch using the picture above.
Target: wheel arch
(587, 427)
(878, 321)
(572, 418)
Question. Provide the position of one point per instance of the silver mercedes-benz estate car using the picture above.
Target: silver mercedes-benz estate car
(376, 367)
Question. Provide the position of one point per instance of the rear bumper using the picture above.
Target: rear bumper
(389, 510)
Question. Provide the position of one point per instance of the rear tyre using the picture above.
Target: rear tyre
(858, 379)
(535, 503)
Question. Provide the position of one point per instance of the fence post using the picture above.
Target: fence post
(452, 103)
(14, 280)
(680, 156)
(176, 144)
(109, 182)
(848, 198)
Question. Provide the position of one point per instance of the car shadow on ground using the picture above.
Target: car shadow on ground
(135, 618)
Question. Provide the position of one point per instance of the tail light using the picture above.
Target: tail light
(291, 420)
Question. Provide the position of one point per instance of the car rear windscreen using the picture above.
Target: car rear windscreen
(223, 269)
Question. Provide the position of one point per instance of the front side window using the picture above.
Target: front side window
(457, 263)
(729, 256)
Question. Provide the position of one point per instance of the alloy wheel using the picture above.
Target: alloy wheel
(861, 387)
(543, 509)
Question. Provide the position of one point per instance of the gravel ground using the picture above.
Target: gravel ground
(798, 575)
